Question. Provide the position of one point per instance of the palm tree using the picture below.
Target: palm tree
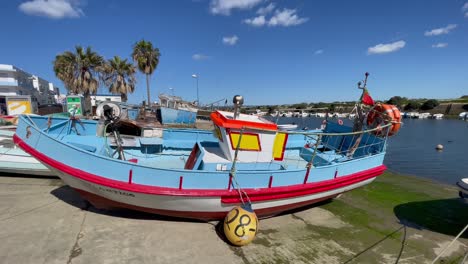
(119, 76)
(79, 71)
(147, 59)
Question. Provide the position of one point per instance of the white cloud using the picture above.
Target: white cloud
(52, 8)
(199, 57)
(386, 48)
(440, 31)
(440, 45)
(286, 18)
(230, 40)
(224, 7)
(318, 52)
(256, 21)
(266, 10)
(465, 9)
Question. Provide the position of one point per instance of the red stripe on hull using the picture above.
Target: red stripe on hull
(228, 196)
(104, 203)
(313, 188)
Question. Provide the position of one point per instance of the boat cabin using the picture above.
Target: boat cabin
(256, 140)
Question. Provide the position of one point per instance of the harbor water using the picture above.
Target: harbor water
(412, 151)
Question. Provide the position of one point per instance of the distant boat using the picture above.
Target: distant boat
(463, 115)
(259, 112)
(424, 115)
(411, 115)
(286, 127)
(174, 110)
(437, 116)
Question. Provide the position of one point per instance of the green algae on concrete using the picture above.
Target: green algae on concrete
(396, 219)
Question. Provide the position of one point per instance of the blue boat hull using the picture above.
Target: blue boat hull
(177, 116)
(82, 161)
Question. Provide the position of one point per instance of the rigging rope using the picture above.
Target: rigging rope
(443, 251)
(232, 173)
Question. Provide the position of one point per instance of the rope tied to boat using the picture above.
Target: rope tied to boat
(232, 174)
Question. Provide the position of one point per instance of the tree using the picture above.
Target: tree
(147, 59)
(299, 106)
(271, 109)
(79, 71)
(119, 76)
(412, 105)
(429, 104)
(398, 101)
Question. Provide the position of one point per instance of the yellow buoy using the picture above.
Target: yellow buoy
(241, 225)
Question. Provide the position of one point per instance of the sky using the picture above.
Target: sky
(271, 52)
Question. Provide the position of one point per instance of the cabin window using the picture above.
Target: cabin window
(249, 141)
(217, 133)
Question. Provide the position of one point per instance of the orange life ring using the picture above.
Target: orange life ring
(382, 114)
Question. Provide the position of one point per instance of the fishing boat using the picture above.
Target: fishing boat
(250, 161)
(15, 160)
(7, 119)
(174, 110)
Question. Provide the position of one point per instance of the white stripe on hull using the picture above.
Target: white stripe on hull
(187, 203)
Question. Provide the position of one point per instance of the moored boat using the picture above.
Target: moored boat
(15, 160)
(174, 110)
(250, 161)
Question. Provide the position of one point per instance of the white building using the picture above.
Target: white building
(14, 81)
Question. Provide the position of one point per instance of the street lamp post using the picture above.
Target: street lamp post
(198, 99)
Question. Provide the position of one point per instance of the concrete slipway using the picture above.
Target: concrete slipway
(397, 219)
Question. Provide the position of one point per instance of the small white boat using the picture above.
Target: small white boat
(463, 115)
(438, 116)
(463, 186)
(424, 115)
(15, 160)
(413, 115)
